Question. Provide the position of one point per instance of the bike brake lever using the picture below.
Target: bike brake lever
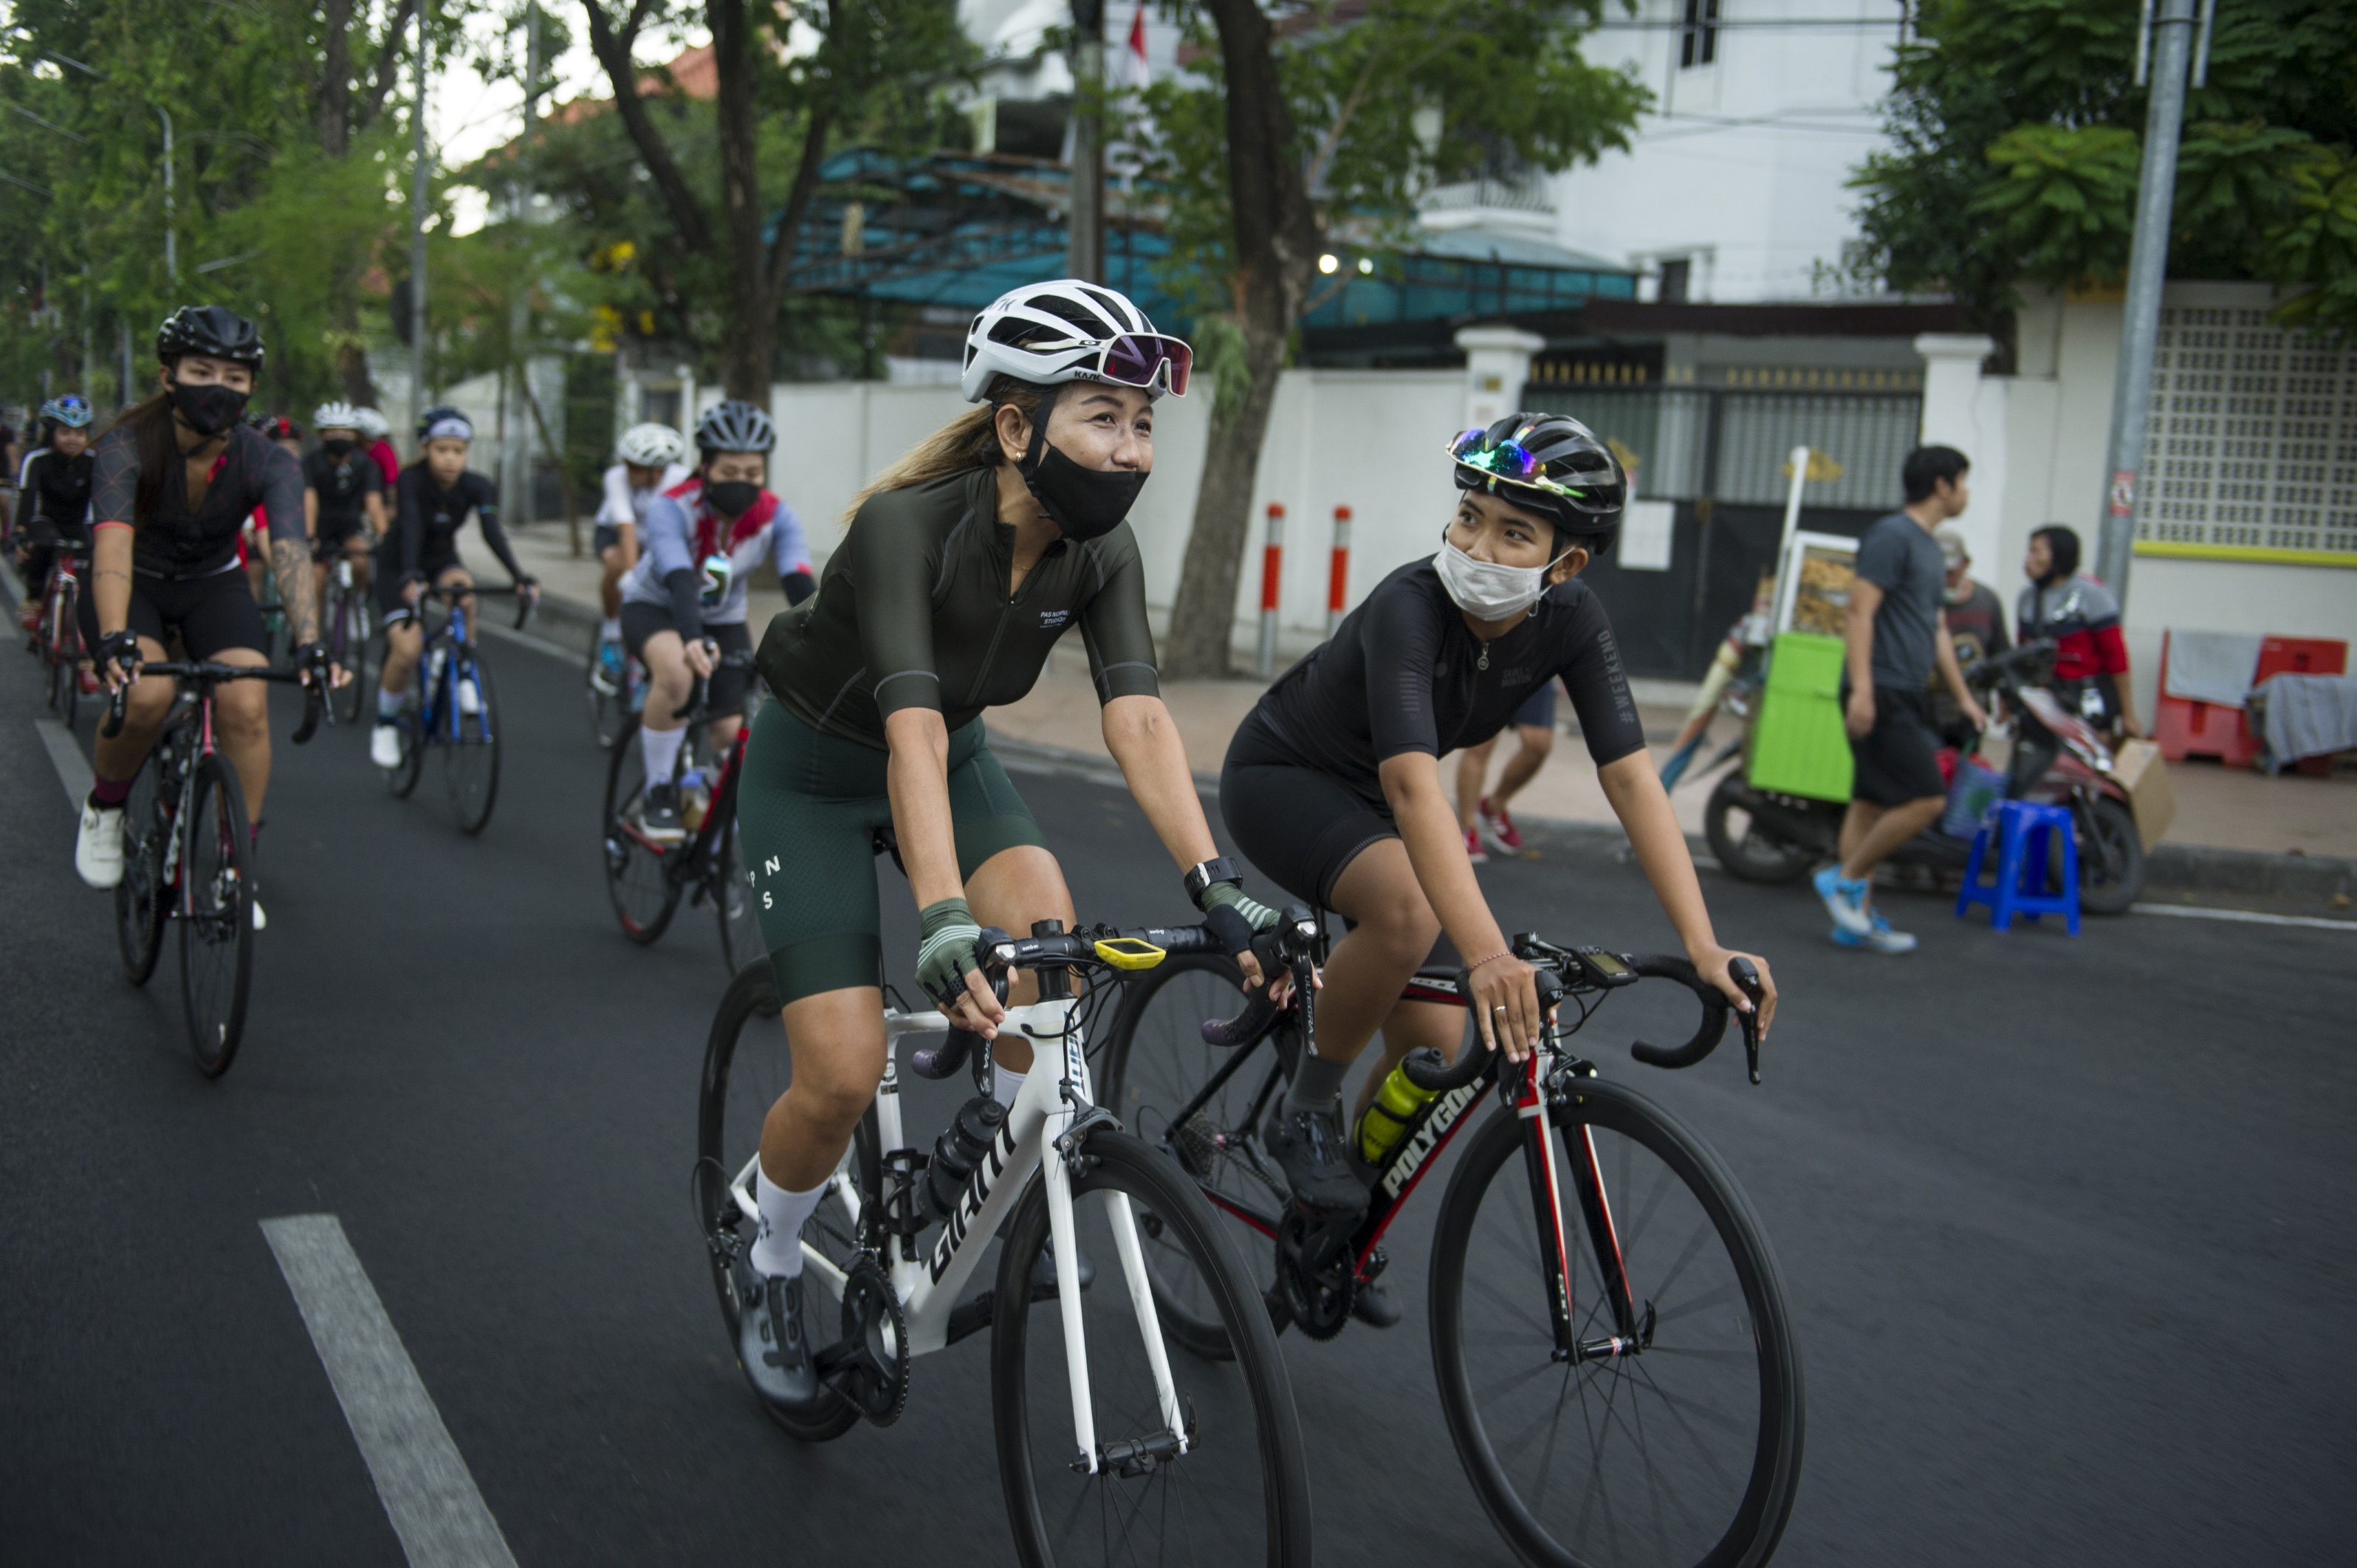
(1747, 980)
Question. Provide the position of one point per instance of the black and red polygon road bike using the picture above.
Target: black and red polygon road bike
(1614, 1355)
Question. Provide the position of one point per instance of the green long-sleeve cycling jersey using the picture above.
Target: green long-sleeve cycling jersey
(913, 611)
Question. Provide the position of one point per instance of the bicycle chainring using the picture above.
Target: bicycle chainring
(1314, 1276)
(875, 1326)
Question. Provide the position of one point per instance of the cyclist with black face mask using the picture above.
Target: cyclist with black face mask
(53, 500)
(684, 605)
(176, 478)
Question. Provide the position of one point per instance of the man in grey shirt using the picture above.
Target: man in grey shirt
(1896, 636)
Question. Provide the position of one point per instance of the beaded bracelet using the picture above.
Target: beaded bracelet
(1491, 959)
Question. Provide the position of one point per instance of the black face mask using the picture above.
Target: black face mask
(209, 409)
(731, 497)
(1084, 503)
(339, 447)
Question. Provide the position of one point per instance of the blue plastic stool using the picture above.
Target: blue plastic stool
(2023, 828)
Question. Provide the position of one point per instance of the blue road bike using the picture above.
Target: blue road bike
(453, 710)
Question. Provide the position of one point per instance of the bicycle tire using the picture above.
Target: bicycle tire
(757, 1067)
(402, 777)
(1729, 1313)
(608, 711)
(1213, 1483)
(142, 904)
(217, 934)
(470, 759)
(741, 942)
(1154, 1063)
(348, 645)
(638, 878)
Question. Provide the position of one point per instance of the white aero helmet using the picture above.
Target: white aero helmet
(337, 416)
(650, 446)
(372, 424)
(1069, 330)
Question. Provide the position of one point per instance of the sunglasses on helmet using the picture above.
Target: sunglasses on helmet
(1146, 359)
(1512, 462)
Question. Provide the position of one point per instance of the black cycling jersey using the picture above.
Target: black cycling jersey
(913, 612)
(424, 537)
(252, 471)
(53, 493)
(343, 489)
(1404, 673)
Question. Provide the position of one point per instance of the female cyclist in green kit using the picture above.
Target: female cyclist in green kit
(961, 567)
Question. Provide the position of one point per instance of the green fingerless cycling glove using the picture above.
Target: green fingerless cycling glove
(1259, 915)
(945, 952)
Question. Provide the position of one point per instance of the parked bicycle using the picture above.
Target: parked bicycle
(347, 622)
(454, 711)
(1110, 1450)
(57, 634)
(646, 880)
(184, 856)
(1615, 1358)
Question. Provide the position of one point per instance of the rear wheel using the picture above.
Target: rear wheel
(142, 902)
(217, 932)
(1240, 1493)
(1156, 1063)
(470, 756)
(1744, 845)
(638, 874)
(746, 1066)
(1683, 1449)
(2111, 856)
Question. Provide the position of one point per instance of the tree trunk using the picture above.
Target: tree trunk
(332, 111)
(749, 350)
(1204, 615)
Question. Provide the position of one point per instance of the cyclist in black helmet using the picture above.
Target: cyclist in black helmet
(53, 502)
(1332, 783)
(174, 479)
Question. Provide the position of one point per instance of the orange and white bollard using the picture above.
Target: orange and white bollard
(1272, 564)
(1338, 570)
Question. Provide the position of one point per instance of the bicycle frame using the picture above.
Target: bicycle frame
(58, 629)
(440, 719)
(1049, 1113)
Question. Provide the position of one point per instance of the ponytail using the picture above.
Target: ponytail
(967, 443)
(158, 447)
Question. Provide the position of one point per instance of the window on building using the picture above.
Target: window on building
(1698, 36)
(1677, 277)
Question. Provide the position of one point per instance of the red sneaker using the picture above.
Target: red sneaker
(1498, 826)
(1473, 849)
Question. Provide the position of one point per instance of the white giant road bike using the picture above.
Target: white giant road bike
(1111, 1450)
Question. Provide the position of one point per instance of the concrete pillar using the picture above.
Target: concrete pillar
(1497, 363)
(1959, 411)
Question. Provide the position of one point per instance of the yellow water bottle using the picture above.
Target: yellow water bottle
(1388, 1115)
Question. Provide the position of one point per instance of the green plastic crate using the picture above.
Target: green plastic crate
(1798, 745)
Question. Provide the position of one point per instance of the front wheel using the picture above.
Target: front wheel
(2111, 856)
(217, 924)
(1743, 843)
(470, 756)
(638, 873)
(142, 901)
(1669, 1433)
(740, 916)
(348, 645)
(1240, 1491)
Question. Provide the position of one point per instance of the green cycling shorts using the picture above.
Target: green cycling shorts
(807, 811)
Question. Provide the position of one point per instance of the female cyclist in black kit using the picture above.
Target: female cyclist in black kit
(1332, 783)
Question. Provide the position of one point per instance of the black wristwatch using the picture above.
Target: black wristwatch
(1200, 878)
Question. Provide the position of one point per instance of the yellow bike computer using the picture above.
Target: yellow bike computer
(1129, 952)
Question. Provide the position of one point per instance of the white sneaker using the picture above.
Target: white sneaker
(260, 924)
(98, 847)
(470, 701)
(384, 745)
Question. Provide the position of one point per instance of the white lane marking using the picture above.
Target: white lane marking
(426, 1489)
(2245, 917)
(65, 755)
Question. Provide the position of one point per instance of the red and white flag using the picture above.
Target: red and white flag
(1134, 72)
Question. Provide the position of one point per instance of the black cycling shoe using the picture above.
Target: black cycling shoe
(1372, 1304)
(659, 814)
(1308, 1146)
(770, 1346)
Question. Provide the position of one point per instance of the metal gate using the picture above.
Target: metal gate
(1718, 454)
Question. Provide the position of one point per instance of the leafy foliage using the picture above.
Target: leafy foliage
(2019, 137)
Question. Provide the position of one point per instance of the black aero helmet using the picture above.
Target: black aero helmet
(735, 425)
(1548, 464)
(214, 330)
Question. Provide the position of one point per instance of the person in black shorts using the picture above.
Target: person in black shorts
(1897, 636)
(1332, 783)
(343, 493)
(53, 502)
(175, 481)
(430, 506)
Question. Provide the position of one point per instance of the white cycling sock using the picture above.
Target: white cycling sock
(1005, 1083)
(388, 705)
(778, 1250)
(611, 628)
(661, 749)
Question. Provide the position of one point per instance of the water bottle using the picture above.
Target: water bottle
(1395, 1105)
(960, 1148)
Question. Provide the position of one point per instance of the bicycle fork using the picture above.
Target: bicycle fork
(1544, 1159)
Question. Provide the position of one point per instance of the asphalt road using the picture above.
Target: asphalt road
(2067, 1225)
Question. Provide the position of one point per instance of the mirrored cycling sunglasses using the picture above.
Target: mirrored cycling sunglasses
(1146, 359)
(1511, 461)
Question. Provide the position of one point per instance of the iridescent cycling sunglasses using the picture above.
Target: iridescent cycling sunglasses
(1144, 360)
(1511, 461)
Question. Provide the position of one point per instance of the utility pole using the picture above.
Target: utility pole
(515, 456)
(2170, 46)
(171, 241)
(1086, 259)
(417, 231)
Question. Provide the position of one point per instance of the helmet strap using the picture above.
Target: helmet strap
(1029, 466)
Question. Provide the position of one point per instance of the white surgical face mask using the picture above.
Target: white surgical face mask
(1486, 590)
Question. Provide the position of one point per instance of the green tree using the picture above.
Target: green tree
(1308, 123)
(2017, 137)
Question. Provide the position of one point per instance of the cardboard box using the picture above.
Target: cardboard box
(2140, 771)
